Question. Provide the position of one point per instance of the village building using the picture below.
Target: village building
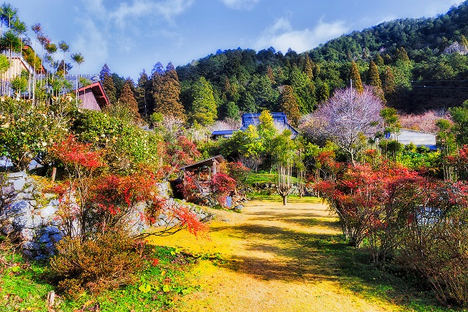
(93, 97)
(17, 65)
(280, 120)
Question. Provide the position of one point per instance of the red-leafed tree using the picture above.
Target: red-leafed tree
(94, 202)
(222, 185)
(359, 196)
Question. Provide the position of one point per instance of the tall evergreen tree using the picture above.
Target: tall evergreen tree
(356, 77)
(389, 86)
(304, 90)
(204, 110)
(323, 93)
(309, 67)
(118, 83)
(379, 60)
(109, 88)
(247, 103)
(373, 75)
(157, 68)
(402, 55)
(104, 71)
(127, 99)
(374, 80)
(232, 111)
(289, 105)
(166, 94)
(140, 94)
(464, 41)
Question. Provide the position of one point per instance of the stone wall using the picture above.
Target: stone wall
(29, 216)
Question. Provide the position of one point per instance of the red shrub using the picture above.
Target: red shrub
(359, 196)
(73, 153)
(222, 185)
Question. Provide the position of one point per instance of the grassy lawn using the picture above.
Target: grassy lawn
(264, 178)
(24, 286)
(270, 257)
(291, 198)
(291, 258)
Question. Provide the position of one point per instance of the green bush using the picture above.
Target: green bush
(128, 146)
(27, 129)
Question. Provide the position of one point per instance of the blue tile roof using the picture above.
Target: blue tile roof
(223, 132)
(253, 119)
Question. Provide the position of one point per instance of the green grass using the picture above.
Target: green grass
(264, 178)
(291, 198)
(23, 286)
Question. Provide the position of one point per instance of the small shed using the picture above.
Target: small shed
(202, 172)
(210, 164)
(93, 96)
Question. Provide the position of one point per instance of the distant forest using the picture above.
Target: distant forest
(413, 64)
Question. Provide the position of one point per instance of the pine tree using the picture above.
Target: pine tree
(387, 59)
(379, 60)
(323, 93)
(232, 111)
(374, 80)
(402, 55)
(204, 105)
(127, 98)
(104, 71)
(157, 68)
(140, 94)
(389, 86)
(464, 41)
(309, 67)
(304, 90)
(270, 74)
(166, 94)
(356, 77)
(247, 103)
(109, 89)
(373, 75)
(316, 70)
(289, 105)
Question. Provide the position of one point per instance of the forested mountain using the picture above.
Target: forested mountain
(414, 65)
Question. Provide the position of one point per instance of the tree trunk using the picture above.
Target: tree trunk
(54, 173)
(285, 200)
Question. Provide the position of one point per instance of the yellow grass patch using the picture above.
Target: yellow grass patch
(272, 262)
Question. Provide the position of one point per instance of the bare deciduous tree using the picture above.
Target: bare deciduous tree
(346, 118)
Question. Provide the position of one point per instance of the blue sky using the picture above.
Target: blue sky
(131, 35)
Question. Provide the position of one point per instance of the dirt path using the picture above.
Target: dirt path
(276, 259)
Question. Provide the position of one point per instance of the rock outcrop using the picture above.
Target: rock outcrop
(29, 216)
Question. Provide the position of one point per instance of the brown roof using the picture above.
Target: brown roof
(98, 92)
(208, 161)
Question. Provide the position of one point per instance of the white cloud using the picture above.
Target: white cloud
(240, 4)
(433, 9)
(282, 36)
(92, 42)
(168, 9)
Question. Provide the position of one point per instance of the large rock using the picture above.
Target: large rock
(49, 211)
(18, 208)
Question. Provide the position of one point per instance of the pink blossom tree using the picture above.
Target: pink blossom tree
(348, 118)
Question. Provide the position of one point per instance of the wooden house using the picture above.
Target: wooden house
(203, 171)
(93, 97)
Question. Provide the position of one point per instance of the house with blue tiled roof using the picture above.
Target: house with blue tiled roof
(280, 120)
